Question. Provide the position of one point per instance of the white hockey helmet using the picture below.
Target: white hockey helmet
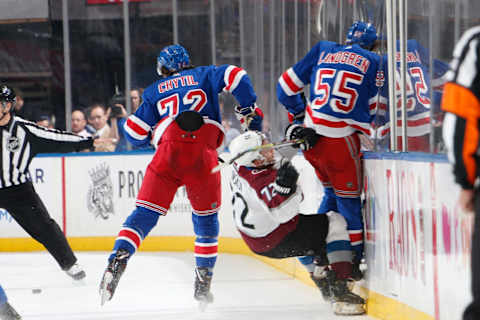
(246, 141)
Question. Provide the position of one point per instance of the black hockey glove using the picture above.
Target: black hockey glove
(308, 135)
(286, 180)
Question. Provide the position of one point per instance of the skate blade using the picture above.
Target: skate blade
(345, 309)
(105, 295)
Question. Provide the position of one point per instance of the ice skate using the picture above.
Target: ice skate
(112, 275)
(7, 312)
(344, 301)
(202, 287)
(319, 277)
(77, 273)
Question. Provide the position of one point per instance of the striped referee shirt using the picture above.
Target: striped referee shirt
(461, 100)
(21, 140)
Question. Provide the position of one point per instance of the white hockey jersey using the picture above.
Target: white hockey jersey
(262, 216)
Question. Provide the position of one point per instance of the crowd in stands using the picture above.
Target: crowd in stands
(105, 120)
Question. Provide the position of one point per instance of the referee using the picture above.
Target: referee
(461, 133)
(20, 141)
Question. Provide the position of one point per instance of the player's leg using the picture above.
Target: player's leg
(204, 192)
(26, 207)
(345, 174)
(339, 255)
(150, 204)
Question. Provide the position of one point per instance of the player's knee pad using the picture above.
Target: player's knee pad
(205, 226)
(142, 220)
(329, 201)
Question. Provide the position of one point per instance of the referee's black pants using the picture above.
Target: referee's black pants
(473, 310)
(26, 207)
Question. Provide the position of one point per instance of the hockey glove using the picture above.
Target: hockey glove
(286, 180)
(308, 135)
(251, 117)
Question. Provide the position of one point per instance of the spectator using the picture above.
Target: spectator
(136, 97)
(20, 109)
(44, 121)
(79, 123)
(98, 119)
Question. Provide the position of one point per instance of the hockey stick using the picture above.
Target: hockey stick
(263, 146)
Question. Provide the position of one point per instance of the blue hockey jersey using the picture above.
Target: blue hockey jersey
(194, 89)
(419, 93)
(343, 87)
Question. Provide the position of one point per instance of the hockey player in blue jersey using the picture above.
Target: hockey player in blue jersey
(183, 108)
(419, 102)
(7, 312)
(343, 89)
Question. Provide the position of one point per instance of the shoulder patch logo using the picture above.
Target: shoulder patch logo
(13, 144)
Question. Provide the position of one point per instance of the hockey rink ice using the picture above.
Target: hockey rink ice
(158, 285)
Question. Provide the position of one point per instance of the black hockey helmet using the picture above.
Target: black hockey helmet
(7, 94)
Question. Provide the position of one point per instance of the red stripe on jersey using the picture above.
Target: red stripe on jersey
(130, 235)
(231, 77)
(290, 83)
(206, 250)
(355, 237)
(338, 124)
(415, 123)
(135, 127)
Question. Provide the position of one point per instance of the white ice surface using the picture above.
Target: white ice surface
(158, 286)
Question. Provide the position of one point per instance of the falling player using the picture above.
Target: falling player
(266, 200)
(183, 105)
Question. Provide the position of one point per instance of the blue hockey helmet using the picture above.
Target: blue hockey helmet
(362, 33)
(173, 58)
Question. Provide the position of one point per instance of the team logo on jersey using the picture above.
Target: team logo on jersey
(380, 79)
(100, 192)
(13, 144)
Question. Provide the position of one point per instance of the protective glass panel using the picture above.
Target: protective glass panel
(194, 30)
(31, 59)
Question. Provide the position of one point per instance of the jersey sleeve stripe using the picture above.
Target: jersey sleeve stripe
(232, 77)
(136, 128)
(290, 83)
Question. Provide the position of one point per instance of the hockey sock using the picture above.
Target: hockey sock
(206, 243)
(329, 201)
(134, 230)
(339, 251)
(350, 209)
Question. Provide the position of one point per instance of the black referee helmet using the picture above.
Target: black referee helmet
(7, 94)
